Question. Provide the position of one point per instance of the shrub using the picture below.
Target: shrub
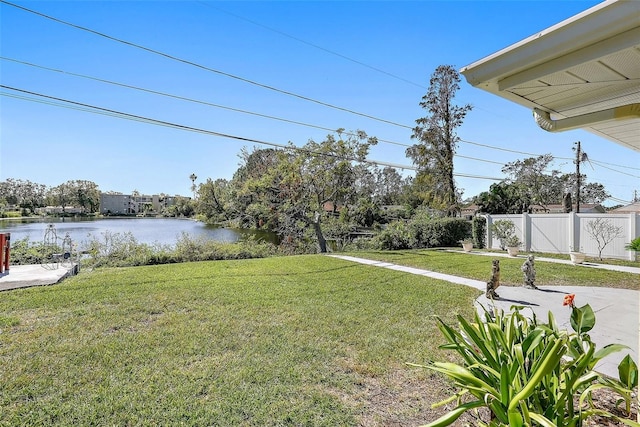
(423, 232)
(25, 252)
(120, 250)
(514, 367)
(505, 231)
(634, 245)
(116, 250)
(479, 231)
(395, 236)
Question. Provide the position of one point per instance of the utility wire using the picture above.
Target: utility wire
(183, 98)
(110, 112)
(155, 92)
(266, 86)
(203, 67)
(282, 33)
(611, 169)
(156, 52)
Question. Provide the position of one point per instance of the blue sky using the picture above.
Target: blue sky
(370, 57)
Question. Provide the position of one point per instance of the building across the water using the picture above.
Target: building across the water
(133, 204)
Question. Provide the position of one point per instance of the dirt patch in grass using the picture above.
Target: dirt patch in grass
(404, 397)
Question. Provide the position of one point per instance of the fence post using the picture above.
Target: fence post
(633, 232)
(574, 229)
(526, 231)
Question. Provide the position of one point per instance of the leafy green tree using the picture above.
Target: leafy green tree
(87, 194)
(503, 198)
(437, 140)
(390, 186)
(307, 183)
(591, 192)
(182, 207)
(256, 182)
(212, 198)
(23, 193)
(61, 195)
(535, 183)
(78, 193)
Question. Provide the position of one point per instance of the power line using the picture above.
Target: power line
(611, 169)
(155, 92)
(119, 114)
(156, 52)
(260, 85)
(183, 98)
(282, 33)
(203, 67)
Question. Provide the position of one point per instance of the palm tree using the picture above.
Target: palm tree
(193, 178)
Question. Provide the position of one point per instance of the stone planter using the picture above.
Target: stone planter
(513, 250)
(467, 246)
(577, 257)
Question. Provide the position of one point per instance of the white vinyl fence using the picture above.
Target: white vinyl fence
(563, 232)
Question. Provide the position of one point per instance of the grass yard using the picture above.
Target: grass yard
(479, 267)
(307, 340)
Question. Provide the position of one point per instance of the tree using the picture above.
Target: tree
(23, 193)
(193, 178)
(390, 186)
(591, 192)
(503, 198)
(181, 207)
(436, 133)
(61, 195)
(540, 187)
(304, 183)
(87, 194)
(212, 198)
(254, 189)
(603, 232)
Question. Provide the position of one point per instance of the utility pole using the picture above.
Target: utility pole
(580, 157)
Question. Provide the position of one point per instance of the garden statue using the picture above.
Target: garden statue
(529, 270)
(494, 282)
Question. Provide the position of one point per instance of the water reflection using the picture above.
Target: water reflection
(164, 231)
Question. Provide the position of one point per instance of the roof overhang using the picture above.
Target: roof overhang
(581, 73)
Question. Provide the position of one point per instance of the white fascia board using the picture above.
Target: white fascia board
(594, 25)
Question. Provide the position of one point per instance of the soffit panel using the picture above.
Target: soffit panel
(600, 72)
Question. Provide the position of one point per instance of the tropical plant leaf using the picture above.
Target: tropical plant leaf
(582, 319)
(628, 372)
(453, 415)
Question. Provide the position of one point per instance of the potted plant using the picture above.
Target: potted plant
(505, 231)
(513, 245)
(467, 244)
(577, 256)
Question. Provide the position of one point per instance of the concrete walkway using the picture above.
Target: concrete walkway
(623, 268)
(26, 276)
(617, 310)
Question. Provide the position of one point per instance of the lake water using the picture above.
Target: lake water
(165, 231)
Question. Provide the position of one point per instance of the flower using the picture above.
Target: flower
(568, 300)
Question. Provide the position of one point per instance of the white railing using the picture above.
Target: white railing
(563, 232)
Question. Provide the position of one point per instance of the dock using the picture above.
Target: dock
(27, 276)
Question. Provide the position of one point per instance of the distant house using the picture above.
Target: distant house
(57, 210)
(331, 208)
(584, 208)
(632, 208)
(469, 211)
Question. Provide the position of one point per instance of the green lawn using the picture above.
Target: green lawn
(479, 267)
(307, 340)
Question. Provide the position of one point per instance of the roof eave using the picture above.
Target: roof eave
(594, 25)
